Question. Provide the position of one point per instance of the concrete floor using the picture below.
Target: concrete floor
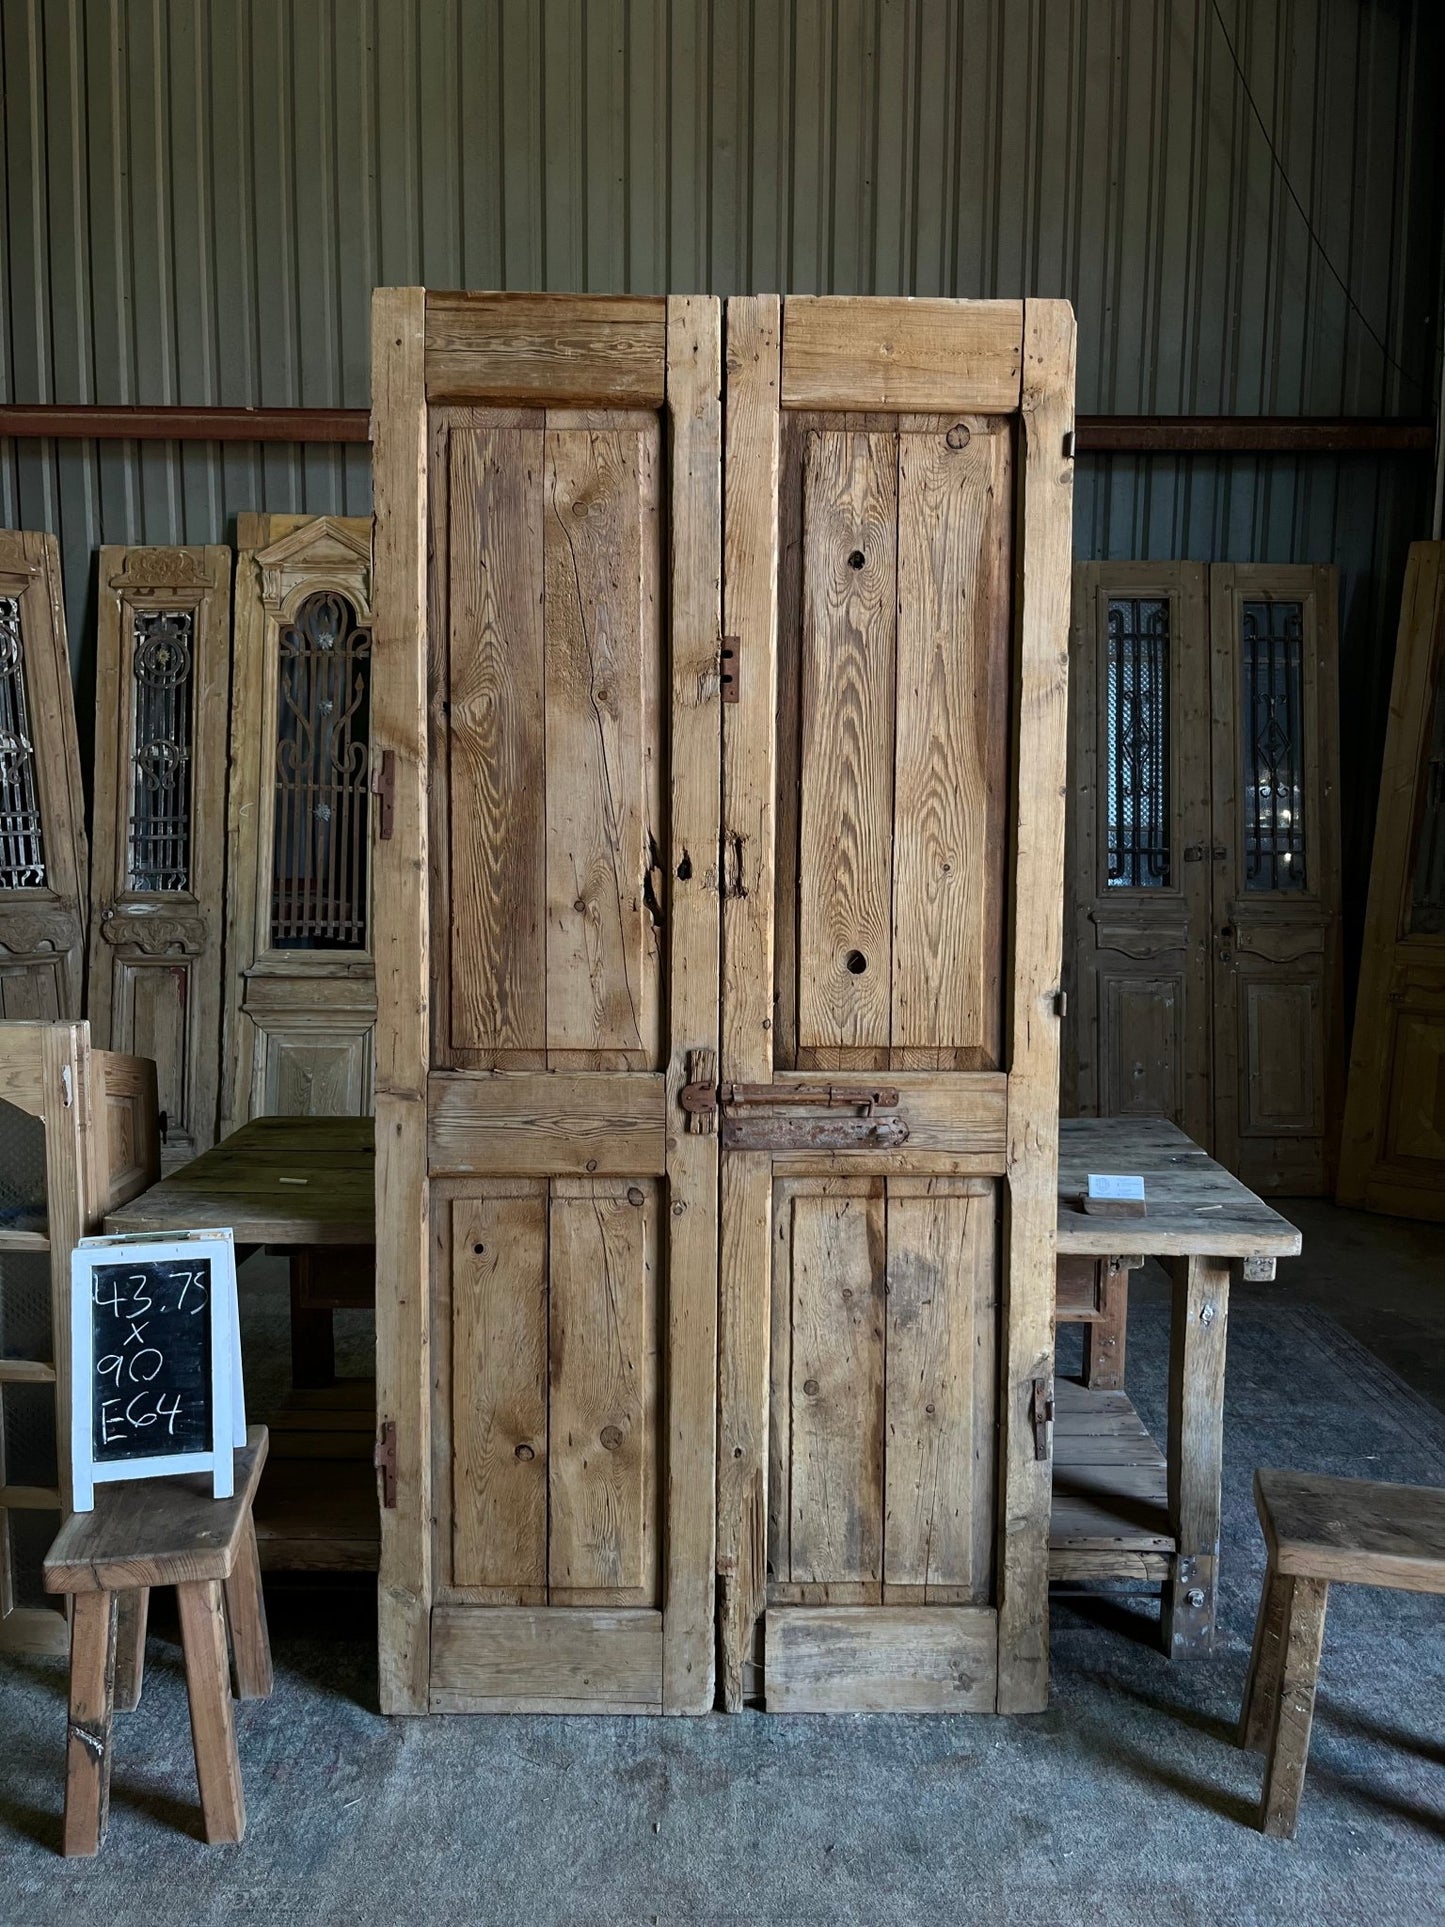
(1126, 1802)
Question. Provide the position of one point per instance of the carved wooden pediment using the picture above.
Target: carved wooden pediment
(321, 552)
(155, 936)
(161, 569)
(39, 932)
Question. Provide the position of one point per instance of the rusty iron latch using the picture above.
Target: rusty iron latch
(699, 1094)
(728, 666)
(862, 1098)
(1041, 1415)
(383, 1457)
(383, 788)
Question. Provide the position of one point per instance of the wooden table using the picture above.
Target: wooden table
(305, 1187)
(1122, 1508)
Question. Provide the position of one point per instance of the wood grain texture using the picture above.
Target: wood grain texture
(602, 1408)
(132, 1615)
(894, 1660)
(694, 406)
(1198, 1333)
(246, 1616)
(754, 333)
(499, 1394)
(213, 1727)
(941, 1358)
(403, 1031)
(1291, 1715)
(1036, 945)
(843, 352)
(590, 350)
(90, 1730)
(836, 1450)
(1266, 1662)
(601, 639)
(850, 511)
(497, 788)
(611, 1124)
(955, 518)
(556, 1659)
(1362, 1531)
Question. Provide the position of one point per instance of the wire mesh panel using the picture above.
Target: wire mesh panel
(22, 1170)
(1272, 660)
(30, 1534)
(319, 876)
(1427, 892)
(22, 842)
(27, 1434)
(25, 1327)
(1137, 698)
(163, 669)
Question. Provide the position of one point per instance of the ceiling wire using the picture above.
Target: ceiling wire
(1304, 215)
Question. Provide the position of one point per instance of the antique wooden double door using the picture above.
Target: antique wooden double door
(718, 724)
(1204, 871)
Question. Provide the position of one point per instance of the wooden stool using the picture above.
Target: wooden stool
(1320, 1530)
(161, 1532)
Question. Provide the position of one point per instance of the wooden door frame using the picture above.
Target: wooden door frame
(836, 354)
(1365, 1176)
(542, 350)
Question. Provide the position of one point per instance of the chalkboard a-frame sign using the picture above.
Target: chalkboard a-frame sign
(155, 1361)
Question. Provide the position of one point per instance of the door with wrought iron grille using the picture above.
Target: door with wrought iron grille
(1277, 1072)
(157, 906)
(1141, 856)
(300, 982)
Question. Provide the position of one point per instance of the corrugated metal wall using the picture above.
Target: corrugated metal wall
(199, 195)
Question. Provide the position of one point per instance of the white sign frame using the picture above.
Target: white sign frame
(228, 1399)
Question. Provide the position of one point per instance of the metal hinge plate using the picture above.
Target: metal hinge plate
(698, 1096)
(383, 1457)
(1041, 1415)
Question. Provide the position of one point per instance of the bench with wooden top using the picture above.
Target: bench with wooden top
(162, 1532)
(1319, 1532)
(1123, 1509)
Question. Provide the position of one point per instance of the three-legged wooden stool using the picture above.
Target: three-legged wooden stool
(162, 1532)
(1318, 1531)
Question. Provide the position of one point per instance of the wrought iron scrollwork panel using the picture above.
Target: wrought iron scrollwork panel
(1137, 778)
(22, 835)
(320, 852)
(162, 736)
(1273, 749)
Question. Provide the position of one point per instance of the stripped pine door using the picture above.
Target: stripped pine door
(1278, 1087)
(157, 906)
(42, 812)
(896, 594)
(546, 702)
(300, 983)
(1203, 925)
(1141, 846)
(1392, 1157)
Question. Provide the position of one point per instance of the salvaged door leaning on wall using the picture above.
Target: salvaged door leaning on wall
(157, 909)
(546, 745)
(300, 983)
(1392, 1155)
(42, 815)
(896, 608)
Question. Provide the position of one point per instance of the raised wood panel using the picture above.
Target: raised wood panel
(602, 1124)
(591, 350)
(556, 1660)
(855, 1660)
(1280, 1029)
(1416, 1088)
(1141, 1041)
(32, 992)
(840, 352)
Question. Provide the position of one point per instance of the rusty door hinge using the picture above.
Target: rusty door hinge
(699, 1094)
(383, 1457)
(383, 787)
(729, 663)
(1041, 1414)
(1061, 1003)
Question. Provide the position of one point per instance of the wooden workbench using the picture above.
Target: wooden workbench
(1122, 1508)
(304, 1187)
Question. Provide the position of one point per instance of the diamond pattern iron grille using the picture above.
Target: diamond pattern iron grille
(22, 841)
(1273, 772)
(1138, 743)
(163, 670)
(319, 875)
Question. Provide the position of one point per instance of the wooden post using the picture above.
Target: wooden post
(1106, 1339)
(1196, 1449)
(88, 1748)
(213, 1729)
(1291, 1714)
(246, 1611)
(132, 1614)
(1266, 1662)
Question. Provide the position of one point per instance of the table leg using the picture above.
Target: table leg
(313, 1332)
(131, 1613)
(1104, 1341)
(1292, 1713)
(1266, 1662)
(213, 1726)
(246, 1610)
(1196, 1444)
(92, 1702)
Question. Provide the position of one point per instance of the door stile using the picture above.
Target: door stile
(754, 349)
(403, 1039)
(1036, 955)
(694, 412)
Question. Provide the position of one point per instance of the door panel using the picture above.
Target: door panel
(1140, 856)
(157, 897)
(570, 777)
(1276, 896)
(868, 1443)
